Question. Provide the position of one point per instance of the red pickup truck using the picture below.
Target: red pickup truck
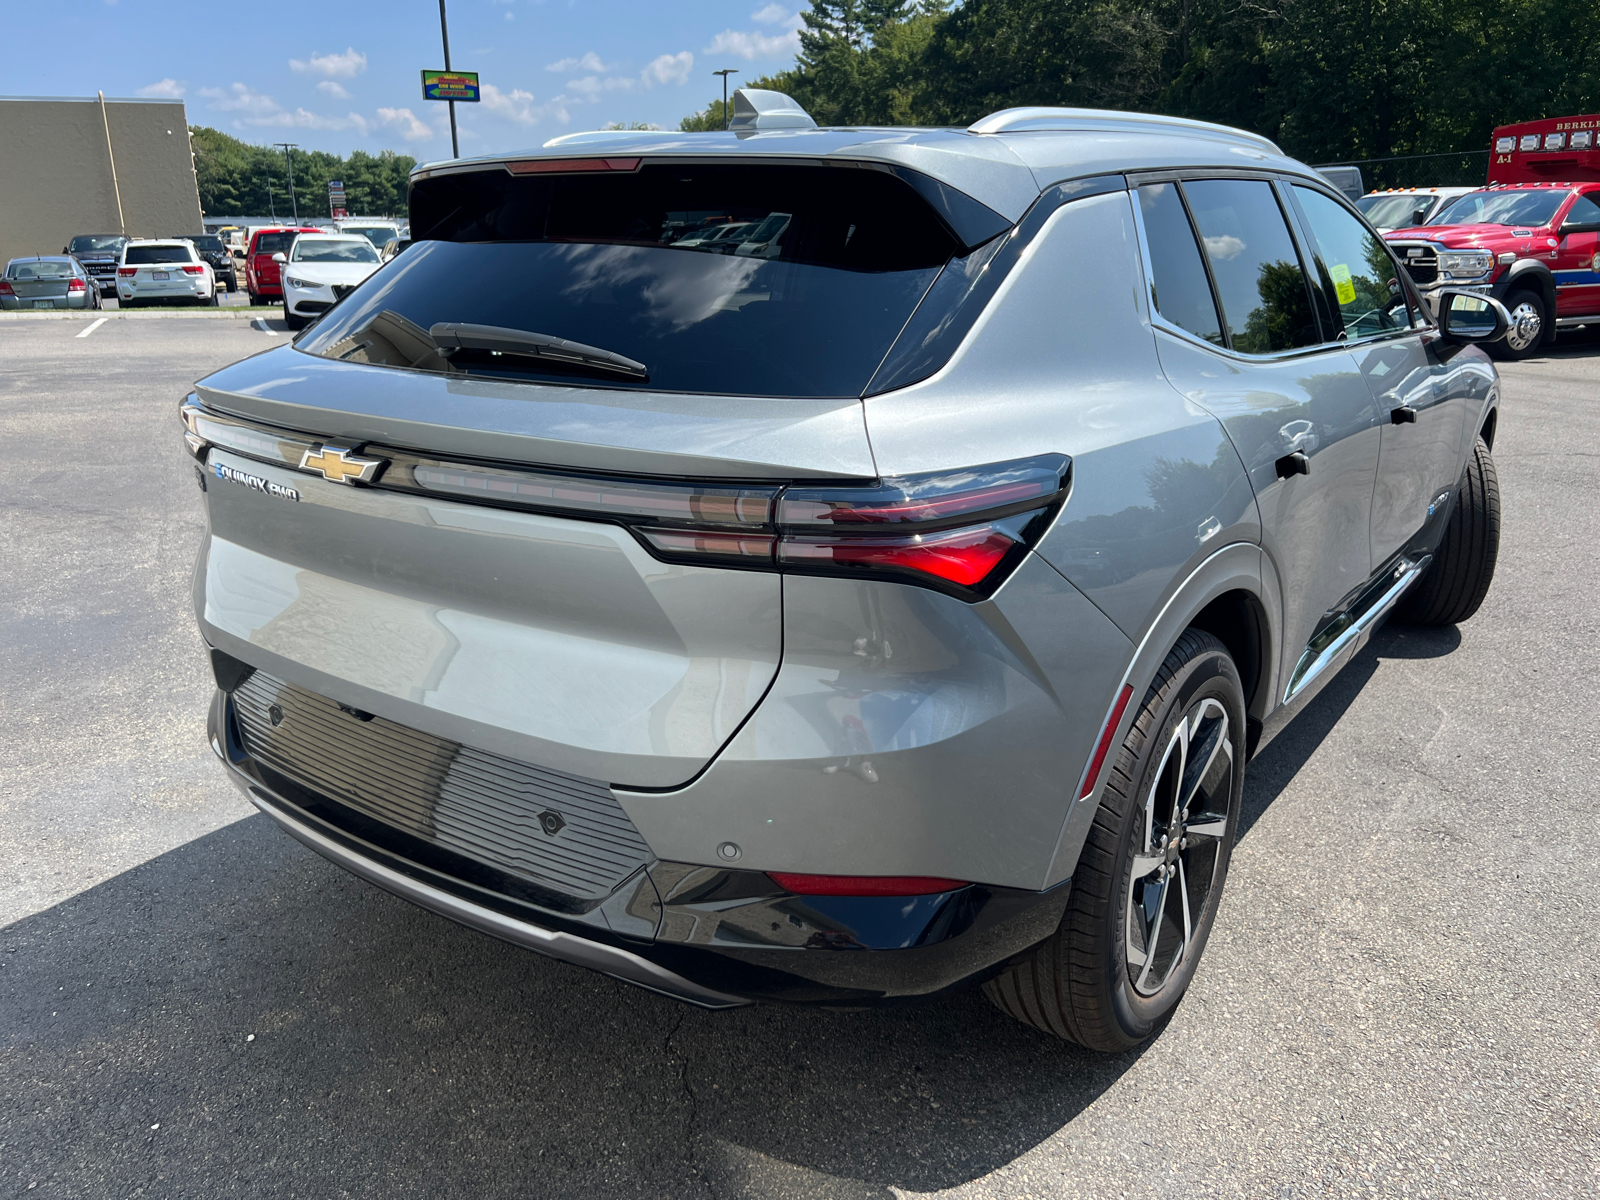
(260, 272)
(1530, 239)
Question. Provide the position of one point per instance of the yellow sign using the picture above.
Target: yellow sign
(1342, 284)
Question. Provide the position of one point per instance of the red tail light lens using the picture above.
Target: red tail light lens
(127, 272)
(6, 289)
(865, 885)
(961, 556)
(197, 270)
(76, 285)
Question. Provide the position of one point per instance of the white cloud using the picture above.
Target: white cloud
(406, 122)
(668, 68)
(776, 14)
(337, 90)
(302, 119)
(332, 66)
(1224, 246)
(589, 62)
(511, 16)
(167, 89)
(515, 105)
(751, 45)
(239, 98)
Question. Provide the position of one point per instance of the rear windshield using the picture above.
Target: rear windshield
(1502, 208)
(208, 242)
(110, 243)
(274, 243)
(40, 270)
(351, 251)
(137, 255)
(763, 280)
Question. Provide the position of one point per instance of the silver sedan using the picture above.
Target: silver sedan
(54, 281)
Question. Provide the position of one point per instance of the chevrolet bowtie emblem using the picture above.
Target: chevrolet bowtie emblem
(339, 465)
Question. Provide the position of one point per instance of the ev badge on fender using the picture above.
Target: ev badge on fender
(339, 465)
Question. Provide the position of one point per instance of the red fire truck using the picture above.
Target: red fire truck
(1530, 239)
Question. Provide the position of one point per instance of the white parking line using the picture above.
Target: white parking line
(261, 324)
(92, 327)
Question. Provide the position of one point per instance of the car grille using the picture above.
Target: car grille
(341, 290)
(561, 832)
(1421, 260)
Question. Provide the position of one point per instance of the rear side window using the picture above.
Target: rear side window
(136, 256)
(1361, 279)
(748, 279)
(1182, 291)
(1260, 281)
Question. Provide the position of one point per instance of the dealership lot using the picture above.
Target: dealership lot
(1400, 995)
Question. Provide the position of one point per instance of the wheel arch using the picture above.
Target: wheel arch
(1491, 420)
(1530, 274)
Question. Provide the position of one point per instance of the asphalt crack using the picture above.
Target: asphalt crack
(692, 1120)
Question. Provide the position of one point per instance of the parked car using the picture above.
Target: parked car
(54, 281)
(765, 240)
(376, 232)
(214, 251)
(260, 271)
(1533, 246)
(164, 271)
(390, 249)
(895, 614)
(718, 238)
(320, 270)
(1397, 208)
(98, 252)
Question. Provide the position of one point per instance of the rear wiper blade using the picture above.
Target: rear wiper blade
(451, 337)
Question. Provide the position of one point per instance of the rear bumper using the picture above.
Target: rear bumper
(710, 937)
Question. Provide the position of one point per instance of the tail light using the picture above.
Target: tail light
(76, 285)
(6, 289)
(961, 532)
(864, 885)
(196, 270)
(127, 272)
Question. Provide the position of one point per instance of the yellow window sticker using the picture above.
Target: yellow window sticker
(1342, 284)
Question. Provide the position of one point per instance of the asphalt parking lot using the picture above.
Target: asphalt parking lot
(1400, 997)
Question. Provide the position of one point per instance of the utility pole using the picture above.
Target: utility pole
(293, 206)
(444, 31)
(271, 209)
(725, 72)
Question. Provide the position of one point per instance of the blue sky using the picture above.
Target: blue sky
(345, 76)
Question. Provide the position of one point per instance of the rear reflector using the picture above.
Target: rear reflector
(541, 166)
(1103, 747)
(865, 885)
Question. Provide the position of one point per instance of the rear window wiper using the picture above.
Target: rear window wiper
(451, 337)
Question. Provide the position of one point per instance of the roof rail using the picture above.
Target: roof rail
(1063, 120)
(757, 109)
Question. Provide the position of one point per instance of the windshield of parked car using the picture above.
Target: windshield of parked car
(274, 243)
(105, 244)
(39, 270)
(618, 261)
(1392, 212)
(207, 242)
(350, 250)
(1502, 208)
(135, 256)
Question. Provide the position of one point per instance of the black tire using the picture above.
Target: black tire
(255, 300)
(1530, 322)
(1084, 984)
(295, 323)
(1463, 566)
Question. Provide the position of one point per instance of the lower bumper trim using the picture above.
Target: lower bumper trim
(609, 960)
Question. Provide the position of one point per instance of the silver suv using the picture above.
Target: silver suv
(890, 610)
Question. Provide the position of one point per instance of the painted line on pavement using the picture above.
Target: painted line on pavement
(91, 328)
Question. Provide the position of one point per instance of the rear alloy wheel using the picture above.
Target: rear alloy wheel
(1150, 876)
(1527, 326)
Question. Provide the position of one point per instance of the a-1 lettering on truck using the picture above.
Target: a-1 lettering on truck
(1530, 238)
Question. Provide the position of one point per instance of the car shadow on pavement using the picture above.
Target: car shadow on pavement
(239, 1017)
(1271, 770)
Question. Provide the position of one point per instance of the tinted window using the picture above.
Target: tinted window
(1584, 211)
(137, 255)
(208, 242)
(1502, 208)
(615, 261)
(1361, 279)
(275, 243)
(1182, 291)
(1259, 279)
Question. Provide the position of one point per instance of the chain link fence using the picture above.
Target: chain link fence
(1468, 168)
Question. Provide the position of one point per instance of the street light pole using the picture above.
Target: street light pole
(293, 206)
(444, 31)
(725, 72)
(271, 208)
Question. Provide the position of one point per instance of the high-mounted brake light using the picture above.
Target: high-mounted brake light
(564, 166)
(865, 885)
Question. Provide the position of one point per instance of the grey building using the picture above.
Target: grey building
(92, 165)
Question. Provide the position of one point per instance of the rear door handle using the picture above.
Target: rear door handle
(1403, 415)
(1293, 464)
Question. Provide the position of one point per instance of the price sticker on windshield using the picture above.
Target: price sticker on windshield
(1341, 283)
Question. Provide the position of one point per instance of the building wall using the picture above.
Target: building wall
(55, 172)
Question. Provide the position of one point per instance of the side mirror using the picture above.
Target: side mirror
(280, 257)
(1471, 316)
(1580, 227)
